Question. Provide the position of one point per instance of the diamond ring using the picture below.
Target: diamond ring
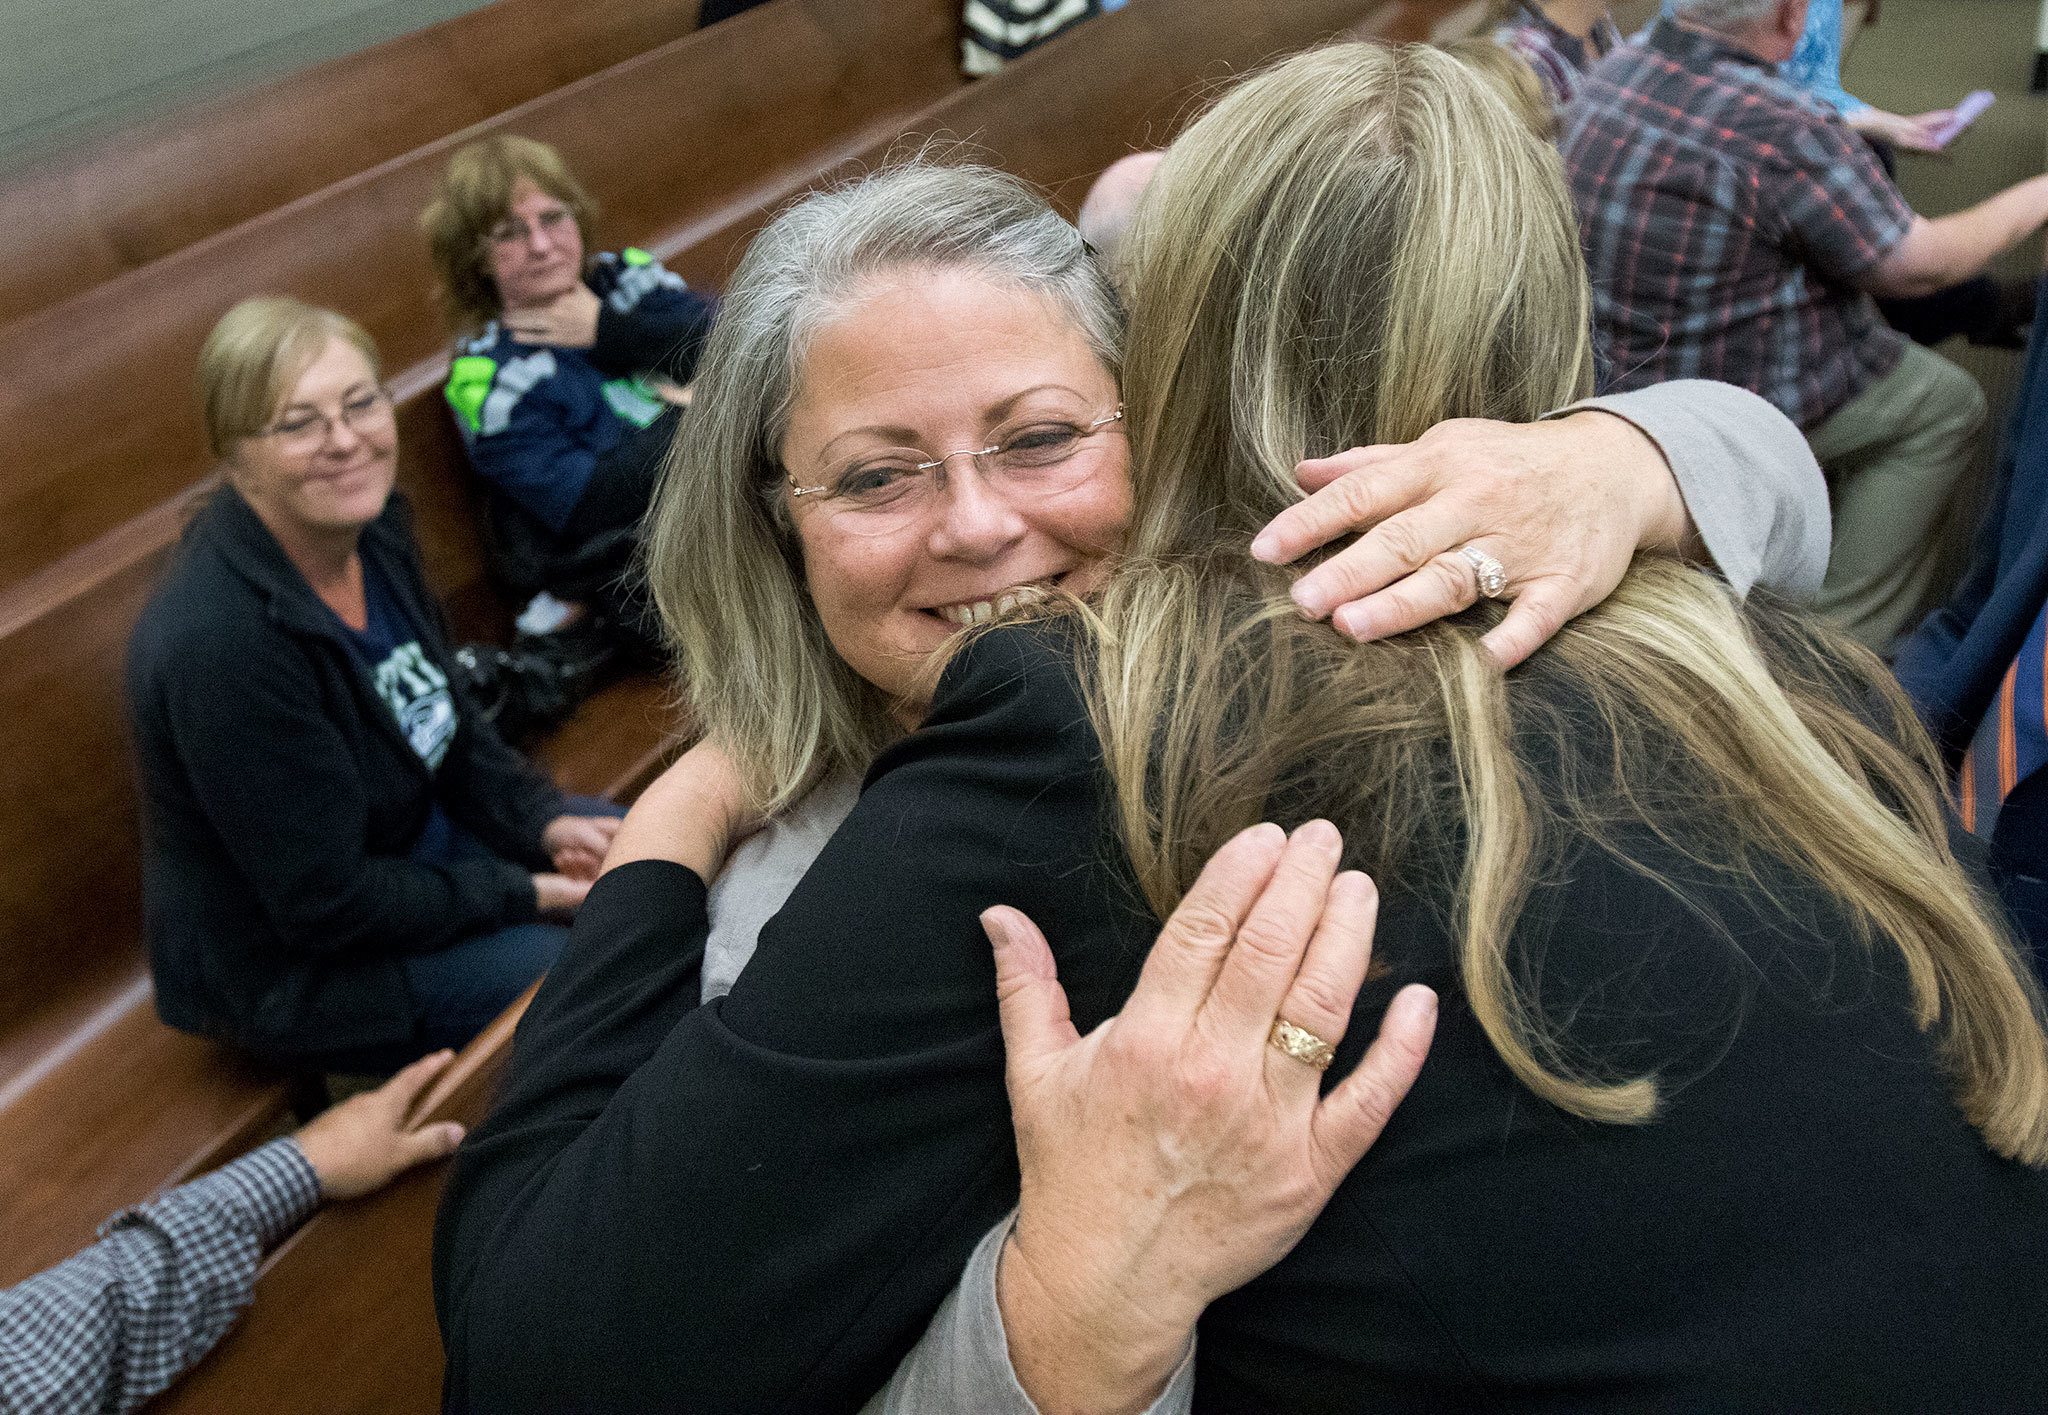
(1491, 574)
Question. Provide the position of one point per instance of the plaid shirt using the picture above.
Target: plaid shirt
(1556, 54)
(1726, 218)
(108, 1329)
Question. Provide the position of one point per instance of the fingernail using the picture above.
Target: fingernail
(1266, 547)
(995, 922)
(1417, 1002)
(1321, 834)
(1309, 597)
(455, 1134)
(1267, 834)
(1352, 623)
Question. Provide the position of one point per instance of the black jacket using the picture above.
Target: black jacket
(279, 799)
(755, 1205)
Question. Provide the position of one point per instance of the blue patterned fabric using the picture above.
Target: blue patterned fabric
(108, 1329)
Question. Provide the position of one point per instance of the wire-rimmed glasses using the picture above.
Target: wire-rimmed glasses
(303, 431)
(1033, 456)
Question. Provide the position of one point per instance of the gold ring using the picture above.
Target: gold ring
(1302, 1044)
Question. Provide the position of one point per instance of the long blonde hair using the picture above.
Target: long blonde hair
(1347, 249)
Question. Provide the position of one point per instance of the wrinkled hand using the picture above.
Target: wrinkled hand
(1174, 1153)
(559, 896)
(365, 1142)
(569, 321)
(577, 844)
(1563, 505)
(693, 814)
(1914, 134)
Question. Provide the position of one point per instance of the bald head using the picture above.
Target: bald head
(1106, 214)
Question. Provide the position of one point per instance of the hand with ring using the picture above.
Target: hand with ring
(1185, 1145)
(1548, 514)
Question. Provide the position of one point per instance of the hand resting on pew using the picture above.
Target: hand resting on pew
(113, 1326)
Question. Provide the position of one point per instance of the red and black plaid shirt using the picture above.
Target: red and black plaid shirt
(1726, 219)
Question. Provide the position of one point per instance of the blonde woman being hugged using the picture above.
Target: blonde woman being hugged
(1736, 1096)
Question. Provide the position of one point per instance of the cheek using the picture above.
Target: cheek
(1095, 518)
(852, 586)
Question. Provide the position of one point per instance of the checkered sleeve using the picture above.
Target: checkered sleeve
(1842, 212)
(111, 1327)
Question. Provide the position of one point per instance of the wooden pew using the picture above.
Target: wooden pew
(97, 409)
(116, 203)
(343, 1319)
(100, 1104)
(76, 1037)
(125, 1105)
(346, 1317)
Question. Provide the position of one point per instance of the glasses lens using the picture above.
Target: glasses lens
(879, 491)
(1042, 455)
(363, 412)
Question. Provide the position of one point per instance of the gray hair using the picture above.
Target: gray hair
(721, 559)
(1725, 14)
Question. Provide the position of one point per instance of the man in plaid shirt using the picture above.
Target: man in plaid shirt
(1737, 229)
(111, 1327)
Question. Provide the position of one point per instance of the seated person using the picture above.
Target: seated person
(1737, 230)
(570, 369)
(344, 866)
(116, 1324)
(994, 32)
(1986, 310)
(1112, 201)
(1974, 668)
(1559, 39)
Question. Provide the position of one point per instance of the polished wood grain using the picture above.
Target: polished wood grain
(344, 1322)
(97, 409)
(116, 203)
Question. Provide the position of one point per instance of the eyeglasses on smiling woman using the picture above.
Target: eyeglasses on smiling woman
(306, 430)
(884, 490)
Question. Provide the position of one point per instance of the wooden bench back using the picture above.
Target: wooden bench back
(97, 410)
(117, 203)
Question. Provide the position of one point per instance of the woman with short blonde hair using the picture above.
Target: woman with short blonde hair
(475, 196)
(344, 865)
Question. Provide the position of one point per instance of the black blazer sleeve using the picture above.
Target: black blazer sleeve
(756, 1205)
(272, 773)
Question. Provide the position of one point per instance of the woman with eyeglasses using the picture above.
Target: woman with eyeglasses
(912, 418)
(570, 370)
(344, 865)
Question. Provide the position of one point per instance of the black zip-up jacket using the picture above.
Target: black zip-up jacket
(279, 798)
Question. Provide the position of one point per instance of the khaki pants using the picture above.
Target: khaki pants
(1892, 457)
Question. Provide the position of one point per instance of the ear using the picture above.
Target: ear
(1792, 20)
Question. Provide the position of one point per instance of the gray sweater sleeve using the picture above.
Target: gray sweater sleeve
(1749, 480)
(963, 1360)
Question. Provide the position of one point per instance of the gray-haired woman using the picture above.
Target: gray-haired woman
(908, 421)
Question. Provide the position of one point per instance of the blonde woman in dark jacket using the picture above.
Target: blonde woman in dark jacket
(344, 864)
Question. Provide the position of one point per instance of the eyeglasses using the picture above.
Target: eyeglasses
(1029, 458)
(307, 430)
(514, 229)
